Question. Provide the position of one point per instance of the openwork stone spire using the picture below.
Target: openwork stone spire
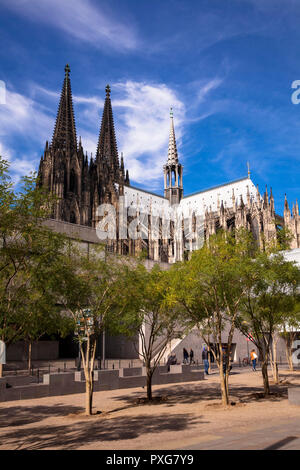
(107, 145)
(172, 151)
(64, 136)
(173, 186)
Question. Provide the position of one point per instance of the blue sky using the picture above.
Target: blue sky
(226, 67)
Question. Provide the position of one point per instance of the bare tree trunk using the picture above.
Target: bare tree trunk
(224, 387)
(88, 365)
(149, 386)
(89, 396)
(274, 359)
(1, 370)
(288, 349)
(264, 371)
(29, 356)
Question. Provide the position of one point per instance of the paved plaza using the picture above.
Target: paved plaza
(189, 417)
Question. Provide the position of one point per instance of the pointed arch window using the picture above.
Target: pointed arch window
(73, 218)
(73, 181)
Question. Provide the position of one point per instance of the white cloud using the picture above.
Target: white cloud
(23, 120)
(81, 19)
(141, 113)
(143, 127)
(19, 166)
(24, 116)
(206, 88)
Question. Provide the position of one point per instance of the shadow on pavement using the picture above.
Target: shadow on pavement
(22, 415)
(94, 430)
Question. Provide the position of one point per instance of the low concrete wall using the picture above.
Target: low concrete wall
(70, 383)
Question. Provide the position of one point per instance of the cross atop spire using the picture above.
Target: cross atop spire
(172, 151)
(64, 136)
(107, 144)
(67, 69)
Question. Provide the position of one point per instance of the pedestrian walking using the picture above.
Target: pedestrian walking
(192, 357)
(205, 360)
(253, 358)
(185, 356)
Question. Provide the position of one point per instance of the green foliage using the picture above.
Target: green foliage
(29, 258)
(270, 298)
(147, 314)
(212, 281)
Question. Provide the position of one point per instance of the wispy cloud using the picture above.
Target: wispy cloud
(143, 127)
(141, 111)
(81, 19)
(206, 88)
(24, 123)
(24, 116)
(19, 165)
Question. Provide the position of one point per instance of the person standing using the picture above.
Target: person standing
(205, 360)
(253, 358)
(192, 357)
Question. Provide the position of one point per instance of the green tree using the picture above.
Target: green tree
(89, 292)
(271, 293)
(288, 330)
(29, 256)
(147, 315)
(209, 289)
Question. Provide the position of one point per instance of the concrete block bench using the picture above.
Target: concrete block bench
(294, 395)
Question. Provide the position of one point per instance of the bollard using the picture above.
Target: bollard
(58, 370)
(119, 363)
(113, 366)
(65, 367)
(128, 365)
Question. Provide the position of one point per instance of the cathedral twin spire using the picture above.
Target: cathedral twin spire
(64, 136)
(107, 149)
(65, 139)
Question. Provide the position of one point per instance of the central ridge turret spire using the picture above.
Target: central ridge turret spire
(172, 151)
(173, 169)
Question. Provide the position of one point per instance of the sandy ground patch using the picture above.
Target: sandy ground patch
(189, 414)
